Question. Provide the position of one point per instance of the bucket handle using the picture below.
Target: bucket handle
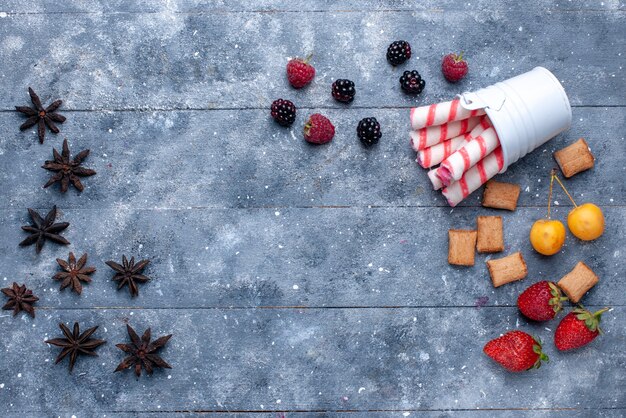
(490, 97)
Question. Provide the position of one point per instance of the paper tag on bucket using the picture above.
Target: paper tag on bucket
(485, 98)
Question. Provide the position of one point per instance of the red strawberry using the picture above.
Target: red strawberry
(578, 328)
(540, 301)
(516, 351)
(318, 129)
(300, 72)
(454, 67)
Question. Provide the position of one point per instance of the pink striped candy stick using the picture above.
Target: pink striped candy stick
(434, 155)
(440, 113)
(453, 167)
(432, 135)
(474, 177)
(434, 180)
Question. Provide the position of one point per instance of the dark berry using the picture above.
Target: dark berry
(398, 52)
(343, 90)
(284, 112)
(411, 82)
(369, 131)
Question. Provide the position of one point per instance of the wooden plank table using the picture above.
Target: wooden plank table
(297, 280)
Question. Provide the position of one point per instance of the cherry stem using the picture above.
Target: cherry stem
(550, 193)
(554, 176)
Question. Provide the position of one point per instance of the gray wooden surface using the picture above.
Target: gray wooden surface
(297, 280)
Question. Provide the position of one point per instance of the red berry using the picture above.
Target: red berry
(300, 72)
(318, 129)
(516, 351)
(540, 301)
(454, 67)
(578, 328)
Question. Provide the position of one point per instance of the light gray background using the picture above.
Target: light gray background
(311, 280)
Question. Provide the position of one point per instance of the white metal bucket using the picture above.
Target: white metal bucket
(526, 111)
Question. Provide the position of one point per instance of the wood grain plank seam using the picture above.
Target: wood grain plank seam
(266, 411)
(358, 207)
(262, 108)
(299, 307)
(289, 11)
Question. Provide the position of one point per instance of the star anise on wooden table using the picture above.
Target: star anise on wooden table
(141, 352)
(129, 273)
(20, 299)
(42, 229)
(74, 272)
(76, 343)
(41, 116)
(67, 170)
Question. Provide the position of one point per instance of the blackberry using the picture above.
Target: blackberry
(369, 131)
(283, 112)
(398, 52)
(411, 82)
(343, 90)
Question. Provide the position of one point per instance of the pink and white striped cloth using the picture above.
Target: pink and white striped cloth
(440, 113)
(475, 177)
(470, 153)
(427, 137)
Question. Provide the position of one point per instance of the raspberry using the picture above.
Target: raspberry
(454, 67)
(284, 112)
(343, 90)
(369, 131)
(411, 82)
(300, 72)
(398, 52)
(318, 129)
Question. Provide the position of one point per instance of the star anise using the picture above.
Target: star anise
(43, 229)
(76, 343)
(129, 274)
(67, 170)
(75, 272)
(141, 353)
(20, 299)
(41, 116)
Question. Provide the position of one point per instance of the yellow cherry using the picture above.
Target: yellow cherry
(586, 222)
(547, 236)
